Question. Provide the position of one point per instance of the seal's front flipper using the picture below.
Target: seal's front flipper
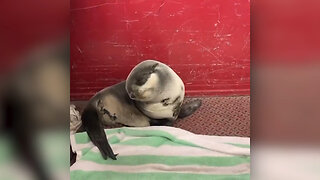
(93, 126)
(189, 108)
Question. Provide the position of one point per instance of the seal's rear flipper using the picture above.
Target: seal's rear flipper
(92, 125)
(189, 108)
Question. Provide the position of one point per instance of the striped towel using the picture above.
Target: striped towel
(162, 153)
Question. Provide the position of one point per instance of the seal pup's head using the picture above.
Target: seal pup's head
(143, 83)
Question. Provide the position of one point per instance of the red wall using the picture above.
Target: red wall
(207, 42)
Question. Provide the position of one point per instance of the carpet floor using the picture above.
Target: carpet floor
(218, 115)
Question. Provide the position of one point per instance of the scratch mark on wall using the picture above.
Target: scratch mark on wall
(109, 42)
(246, 42)
(122, 45)
(154, 13)
(186, 22)
(128, 22)
(146, 14)
(180, 12)
(236, 12)
(162, 4)
(208, 50)
(217, 34)
(94, 6)
(79, 49)
(180, 28)
(219, 17)
(175, 2)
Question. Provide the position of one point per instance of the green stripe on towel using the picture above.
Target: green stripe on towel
(168, 160)
(82, 175)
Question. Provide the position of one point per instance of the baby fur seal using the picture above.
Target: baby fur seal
(151, 95)
(159, 92)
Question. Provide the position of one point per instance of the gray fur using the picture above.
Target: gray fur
(167, 94)
(115, 106)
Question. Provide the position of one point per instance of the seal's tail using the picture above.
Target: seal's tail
(96, 132)
(189, 108)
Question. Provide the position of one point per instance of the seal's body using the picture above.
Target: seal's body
(157, 89)
(151, 95)
(114, 106)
